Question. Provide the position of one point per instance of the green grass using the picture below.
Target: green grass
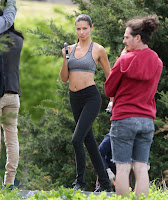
(69, 194)
(30, 11)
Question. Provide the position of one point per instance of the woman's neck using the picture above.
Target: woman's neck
(84, 43)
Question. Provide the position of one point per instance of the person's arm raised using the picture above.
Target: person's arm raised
(8, 17)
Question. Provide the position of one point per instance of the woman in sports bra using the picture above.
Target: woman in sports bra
(85, 99)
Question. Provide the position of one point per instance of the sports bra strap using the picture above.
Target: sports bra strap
(73, 50)
(90, 48)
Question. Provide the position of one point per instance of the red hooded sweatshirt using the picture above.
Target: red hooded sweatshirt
(133, 83)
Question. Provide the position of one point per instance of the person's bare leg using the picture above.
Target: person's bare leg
(122, 178)
(141, 178)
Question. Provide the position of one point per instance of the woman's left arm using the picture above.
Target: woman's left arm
(103, 59)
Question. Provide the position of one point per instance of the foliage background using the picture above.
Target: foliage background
(46, 124)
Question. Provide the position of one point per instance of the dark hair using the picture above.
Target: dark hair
(144, 27)
(84, 17)
(1, 12)
(19, 33)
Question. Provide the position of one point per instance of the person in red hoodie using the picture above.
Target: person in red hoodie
(133, 82)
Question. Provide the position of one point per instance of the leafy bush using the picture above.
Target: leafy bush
(39, 74)
(39, 77)
(49, 148)
(47, 158)
(69, 194)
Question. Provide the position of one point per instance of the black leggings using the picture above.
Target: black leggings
(85, 106)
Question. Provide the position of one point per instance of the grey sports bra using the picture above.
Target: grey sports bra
(86, 63)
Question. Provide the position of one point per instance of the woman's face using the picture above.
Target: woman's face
(83, 30)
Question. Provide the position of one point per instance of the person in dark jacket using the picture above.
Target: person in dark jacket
(10, 103)
(106, 154)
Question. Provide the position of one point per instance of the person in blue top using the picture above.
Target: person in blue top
(7, 17)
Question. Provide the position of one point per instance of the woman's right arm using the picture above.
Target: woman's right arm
(8, 17)
(64, 73)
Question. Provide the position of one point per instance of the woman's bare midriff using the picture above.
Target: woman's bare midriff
(79, 80)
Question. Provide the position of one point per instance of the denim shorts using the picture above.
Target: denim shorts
(131, 139)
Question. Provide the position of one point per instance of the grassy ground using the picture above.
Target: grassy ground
(29, 12)
(38, 9)
(69, 194)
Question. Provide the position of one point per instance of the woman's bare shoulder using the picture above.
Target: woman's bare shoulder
(98, 48)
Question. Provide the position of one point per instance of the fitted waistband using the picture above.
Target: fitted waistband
(88, 91)
(84, 89)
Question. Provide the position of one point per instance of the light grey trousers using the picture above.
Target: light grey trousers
(9, 108)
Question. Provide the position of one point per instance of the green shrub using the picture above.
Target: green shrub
(69, 194)
(39, 74)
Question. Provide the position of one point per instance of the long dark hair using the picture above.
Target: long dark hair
(19, 33)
